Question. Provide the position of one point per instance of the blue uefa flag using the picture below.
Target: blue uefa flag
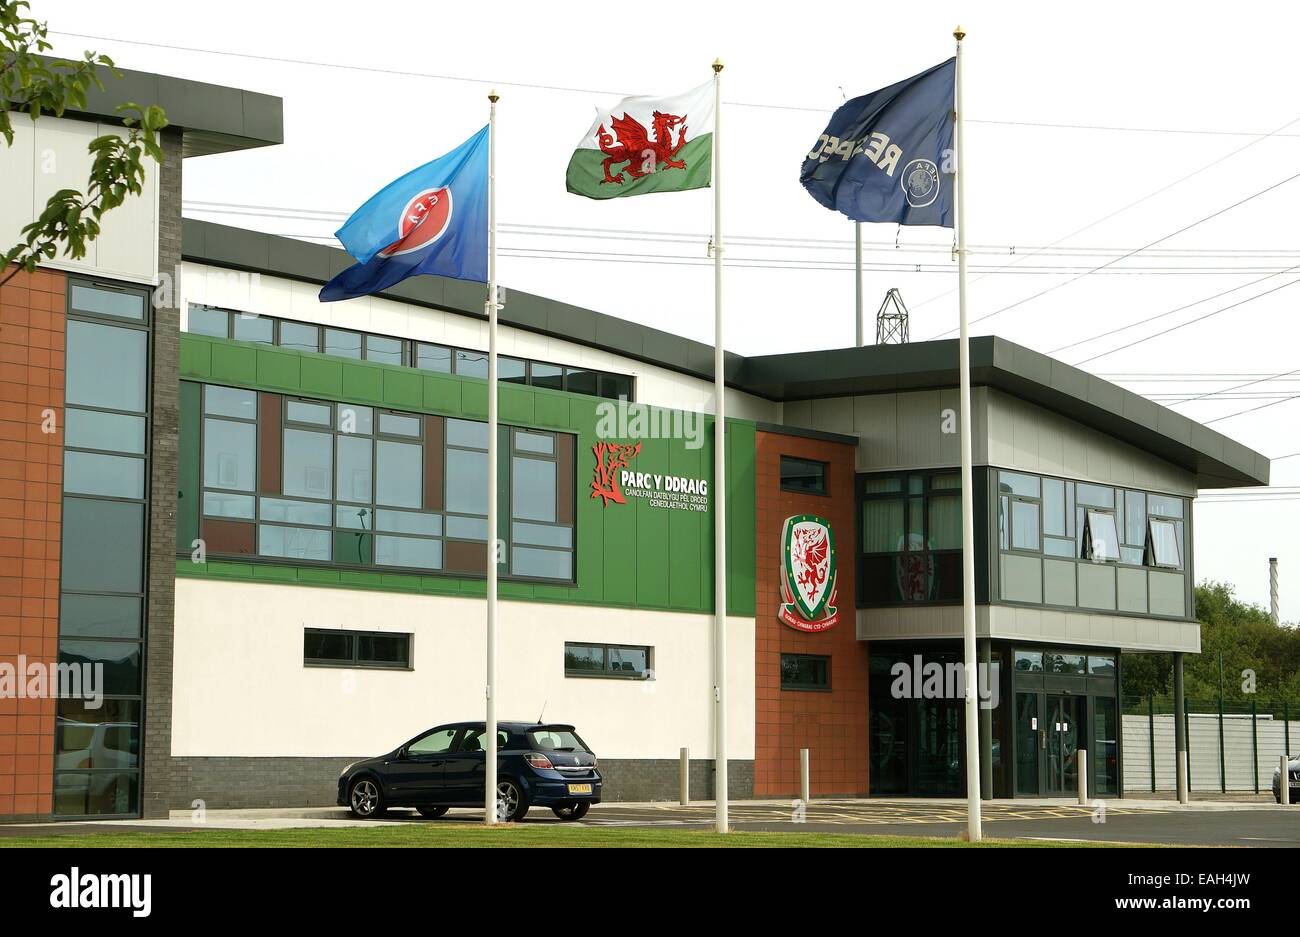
(432, 220)
(886, 156)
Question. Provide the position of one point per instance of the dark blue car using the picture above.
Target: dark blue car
(542, 765)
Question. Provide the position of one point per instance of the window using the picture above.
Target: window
(251, 328)
(205, 321)
(1028, 661)
(433, 358)
(805, 672)
(435, 743)
(105, 366)
(330, 648)
(608, 660)
(105, 504)
(98, 300)
(342, 344)
(1101, 540)
(803, 475)
(911, 538)
(1163, 550)
(385, 349)
(299, 336)
(347, 484)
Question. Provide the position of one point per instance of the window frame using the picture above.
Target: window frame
(827, 687)
(410, 352)
(823, 491)
(605, 673)
(356, 663)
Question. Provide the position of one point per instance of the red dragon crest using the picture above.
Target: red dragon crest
(610, 458)
(636, 147)
(811, 548)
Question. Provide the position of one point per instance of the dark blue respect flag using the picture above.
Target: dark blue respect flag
(887, 156)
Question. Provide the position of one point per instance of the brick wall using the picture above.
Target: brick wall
(160, 624)
(833, 725)
(31, 484)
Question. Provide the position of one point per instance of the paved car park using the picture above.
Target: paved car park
(1130, 821)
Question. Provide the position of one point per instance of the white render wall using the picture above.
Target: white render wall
(51, 155)
(289, 299)
(241, 689)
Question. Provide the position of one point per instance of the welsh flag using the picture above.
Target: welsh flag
(646, 144)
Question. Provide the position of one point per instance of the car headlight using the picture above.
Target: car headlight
(347, 769)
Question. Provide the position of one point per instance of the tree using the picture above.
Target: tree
(32, 83)
(1245, 636)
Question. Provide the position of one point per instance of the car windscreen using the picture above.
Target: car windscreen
(555, 740)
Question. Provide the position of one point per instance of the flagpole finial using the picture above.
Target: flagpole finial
(959, 34)
(493, 96)
(717, 66)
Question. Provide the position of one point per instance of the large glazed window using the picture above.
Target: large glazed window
(910, 538)
(97, 751)
(318, 482)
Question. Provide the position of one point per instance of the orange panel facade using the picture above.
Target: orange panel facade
(831, 723)
(31, 482)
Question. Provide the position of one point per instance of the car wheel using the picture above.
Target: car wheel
(571, 809)
(431, 813)
(567, 810)
(366, 799)
(512, 805)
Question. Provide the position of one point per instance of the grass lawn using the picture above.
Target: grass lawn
(433, 835)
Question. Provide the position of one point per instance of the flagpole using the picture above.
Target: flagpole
(857, 282)
(973, 823)
(719, 484)
(490, 760)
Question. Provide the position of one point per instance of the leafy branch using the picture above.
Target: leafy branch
(32, 83)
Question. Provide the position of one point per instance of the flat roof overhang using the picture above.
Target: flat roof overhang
(1216, 460)
(211, 118)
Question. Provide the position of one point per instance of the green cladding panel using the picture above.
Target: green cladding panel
(633, 555)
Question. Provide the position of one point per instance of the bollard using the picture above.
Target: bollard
(1284, 782)
(805, 785)
(1182, 777)
(684, 777)
(1083, 777)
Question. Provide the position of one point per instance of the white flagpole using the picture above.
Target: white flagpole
(490, 759)
(719, 483)
(857, 282)
(973, 823)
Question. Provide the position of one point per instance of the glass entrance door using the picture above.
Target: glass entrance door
(1063, 732)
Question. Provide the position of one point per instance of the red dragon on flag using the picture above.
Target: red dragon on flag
(635, 146)
(808, 580)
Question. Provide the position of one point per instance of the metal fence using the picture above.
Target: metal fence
(1233, 746)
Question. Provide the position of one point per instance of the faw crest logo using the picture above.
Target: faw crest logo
(808, 573)
(424, 219)
(635, 147)
(611, 458)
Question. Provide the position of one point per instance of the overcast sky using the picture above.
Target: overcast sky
(1150, 93)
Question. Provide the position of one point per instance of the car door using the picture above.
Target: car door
(465, 767)
(416, 775)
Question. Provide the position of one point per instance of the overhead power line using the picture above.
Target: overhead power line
(680, 237)
(407, 73)
(1174, 328)
(1119, 211)
(1159, 240)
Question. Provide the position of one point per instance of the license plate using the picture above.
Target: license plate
(579, 788)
